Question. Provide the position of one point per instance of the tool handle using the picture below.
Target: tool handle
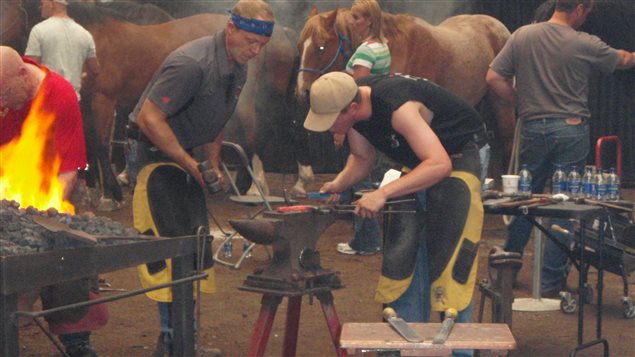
(315, 195)
(446, 327)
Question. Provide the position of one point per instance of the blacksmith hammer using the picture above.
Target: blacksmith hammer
(401, 326)
(446, 327)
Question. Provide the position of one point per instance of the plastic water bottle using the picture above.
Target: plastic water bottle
(558, 181)
(613, 186)
(587, 182)
(573, 182)
(524, 183)
(599, 184)
(245, 247)
(227, 249)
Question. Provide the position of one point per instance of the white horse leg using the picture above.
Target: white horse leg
(305, 177)
(259, 173)
(122, 178)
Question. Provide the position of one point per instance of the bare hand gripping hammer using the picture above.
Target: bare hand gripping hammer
(401, 326)
(446, 327)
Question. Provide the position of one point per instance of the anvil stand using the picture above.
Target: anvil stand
(294, 271)
(269, 305)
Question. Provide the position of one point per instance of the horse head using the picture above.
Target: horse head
(324, 46)
(14, 24)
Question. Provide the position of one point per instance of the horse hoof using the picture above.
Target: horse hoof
(122, 178)
(108, 205)
(298, 191)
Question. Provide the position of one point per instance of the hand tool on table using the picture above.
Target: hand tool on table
(446, 327)
(401, 326)
(589, 201)
(532, 202)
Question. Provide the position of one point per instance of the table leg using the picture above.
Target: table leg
(536, 302)
(9, 337)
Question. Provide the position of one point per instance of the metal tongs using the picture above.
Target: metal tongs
(351, 208)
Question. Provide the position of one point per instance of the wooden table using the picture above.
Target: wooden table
(361, 337)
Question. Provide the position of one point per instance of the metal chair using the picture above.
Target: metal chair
(234, 158)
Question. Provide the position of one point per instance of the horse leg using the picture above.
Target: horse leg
(104, 109)
(259, 174)
(505, 124)
(305, 177)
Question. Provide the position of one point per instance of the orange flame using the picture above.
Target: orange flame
(29, 164)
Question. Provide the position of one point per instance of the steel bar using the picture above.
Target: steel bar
(34, 314)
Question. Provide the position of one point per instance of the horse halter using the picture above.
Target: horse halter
(340, 50)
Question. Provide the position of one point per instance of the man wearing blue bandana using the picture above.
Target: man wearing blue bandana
(185, 108)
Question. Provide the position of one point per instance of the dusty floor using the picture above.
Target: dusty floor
(229, 315)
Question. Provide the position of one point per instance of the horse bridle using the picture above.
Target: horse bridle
(340, 51)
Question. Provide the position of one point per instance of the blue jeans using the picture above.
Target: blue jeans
(367, 236)
(414, 304)
(545, 144)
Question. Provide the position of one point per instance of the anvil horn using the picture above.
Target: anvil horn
(259, 231)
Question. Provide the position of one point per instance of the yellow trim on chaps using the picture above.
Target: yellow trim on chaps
(143, 222)
(389, 290)
(445, 292)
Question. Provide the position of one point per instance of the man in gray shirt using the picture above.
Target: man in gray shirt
(551, 63)
(185, 107)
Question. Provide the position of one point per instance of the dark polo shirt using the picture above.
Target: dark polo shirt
(196, 90)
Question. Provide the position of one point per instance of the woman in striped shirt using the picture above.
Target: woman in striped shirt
(372, 57)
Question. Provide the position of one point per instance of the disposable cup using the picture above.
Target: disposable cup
(510, 183)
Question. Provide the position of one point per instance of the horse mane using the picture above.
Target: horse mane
(315, 28)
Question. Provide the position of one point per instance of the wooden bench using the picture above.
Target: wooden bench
(361, 337)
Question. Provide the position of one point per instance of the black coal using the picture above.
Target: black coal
(19, 234)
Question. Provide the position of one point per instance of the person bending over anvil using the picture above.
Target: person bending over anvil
(436, 136)
(185, 107)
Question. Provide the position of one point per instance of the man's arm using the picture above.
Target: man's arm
(502, 86)
(434, 166)
(212, 152)
(358, 165)
(627, 59)
(68, 180)
(91, 65)
(153, 122)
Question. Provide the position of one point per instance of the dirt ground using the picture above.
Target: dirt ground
(229, 315)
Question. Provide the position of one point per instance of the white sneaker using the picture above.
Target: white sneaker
(344, 248)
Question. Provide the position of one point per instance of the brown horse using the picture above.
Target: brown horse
(14, 24)
(455, 54)
(129, 54)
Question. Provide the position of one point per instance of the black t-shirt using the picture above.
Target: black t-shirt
(455, 122)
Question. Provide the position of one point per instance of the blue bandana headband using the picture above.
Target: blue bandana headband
(259, 27)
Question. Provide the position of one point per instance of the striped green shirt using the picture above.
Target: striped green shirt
(371, 54)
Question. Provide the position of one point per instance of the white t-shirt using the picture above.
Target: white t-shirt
(63, 46)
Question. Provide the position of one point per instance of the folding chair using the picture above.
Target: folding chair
(233, 157)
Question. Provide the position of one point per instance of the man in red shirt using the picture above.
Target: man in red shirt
(27, 86)
(22, 81)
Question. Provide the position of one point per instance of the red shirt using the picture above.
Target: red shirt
(59, 98)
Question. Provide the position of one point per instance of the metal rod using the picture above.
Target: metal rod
(380, 212)
(387, 203)
(50, 337)
(35, 314)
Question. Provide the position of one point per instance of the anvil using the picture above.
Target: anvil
(293, 232)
